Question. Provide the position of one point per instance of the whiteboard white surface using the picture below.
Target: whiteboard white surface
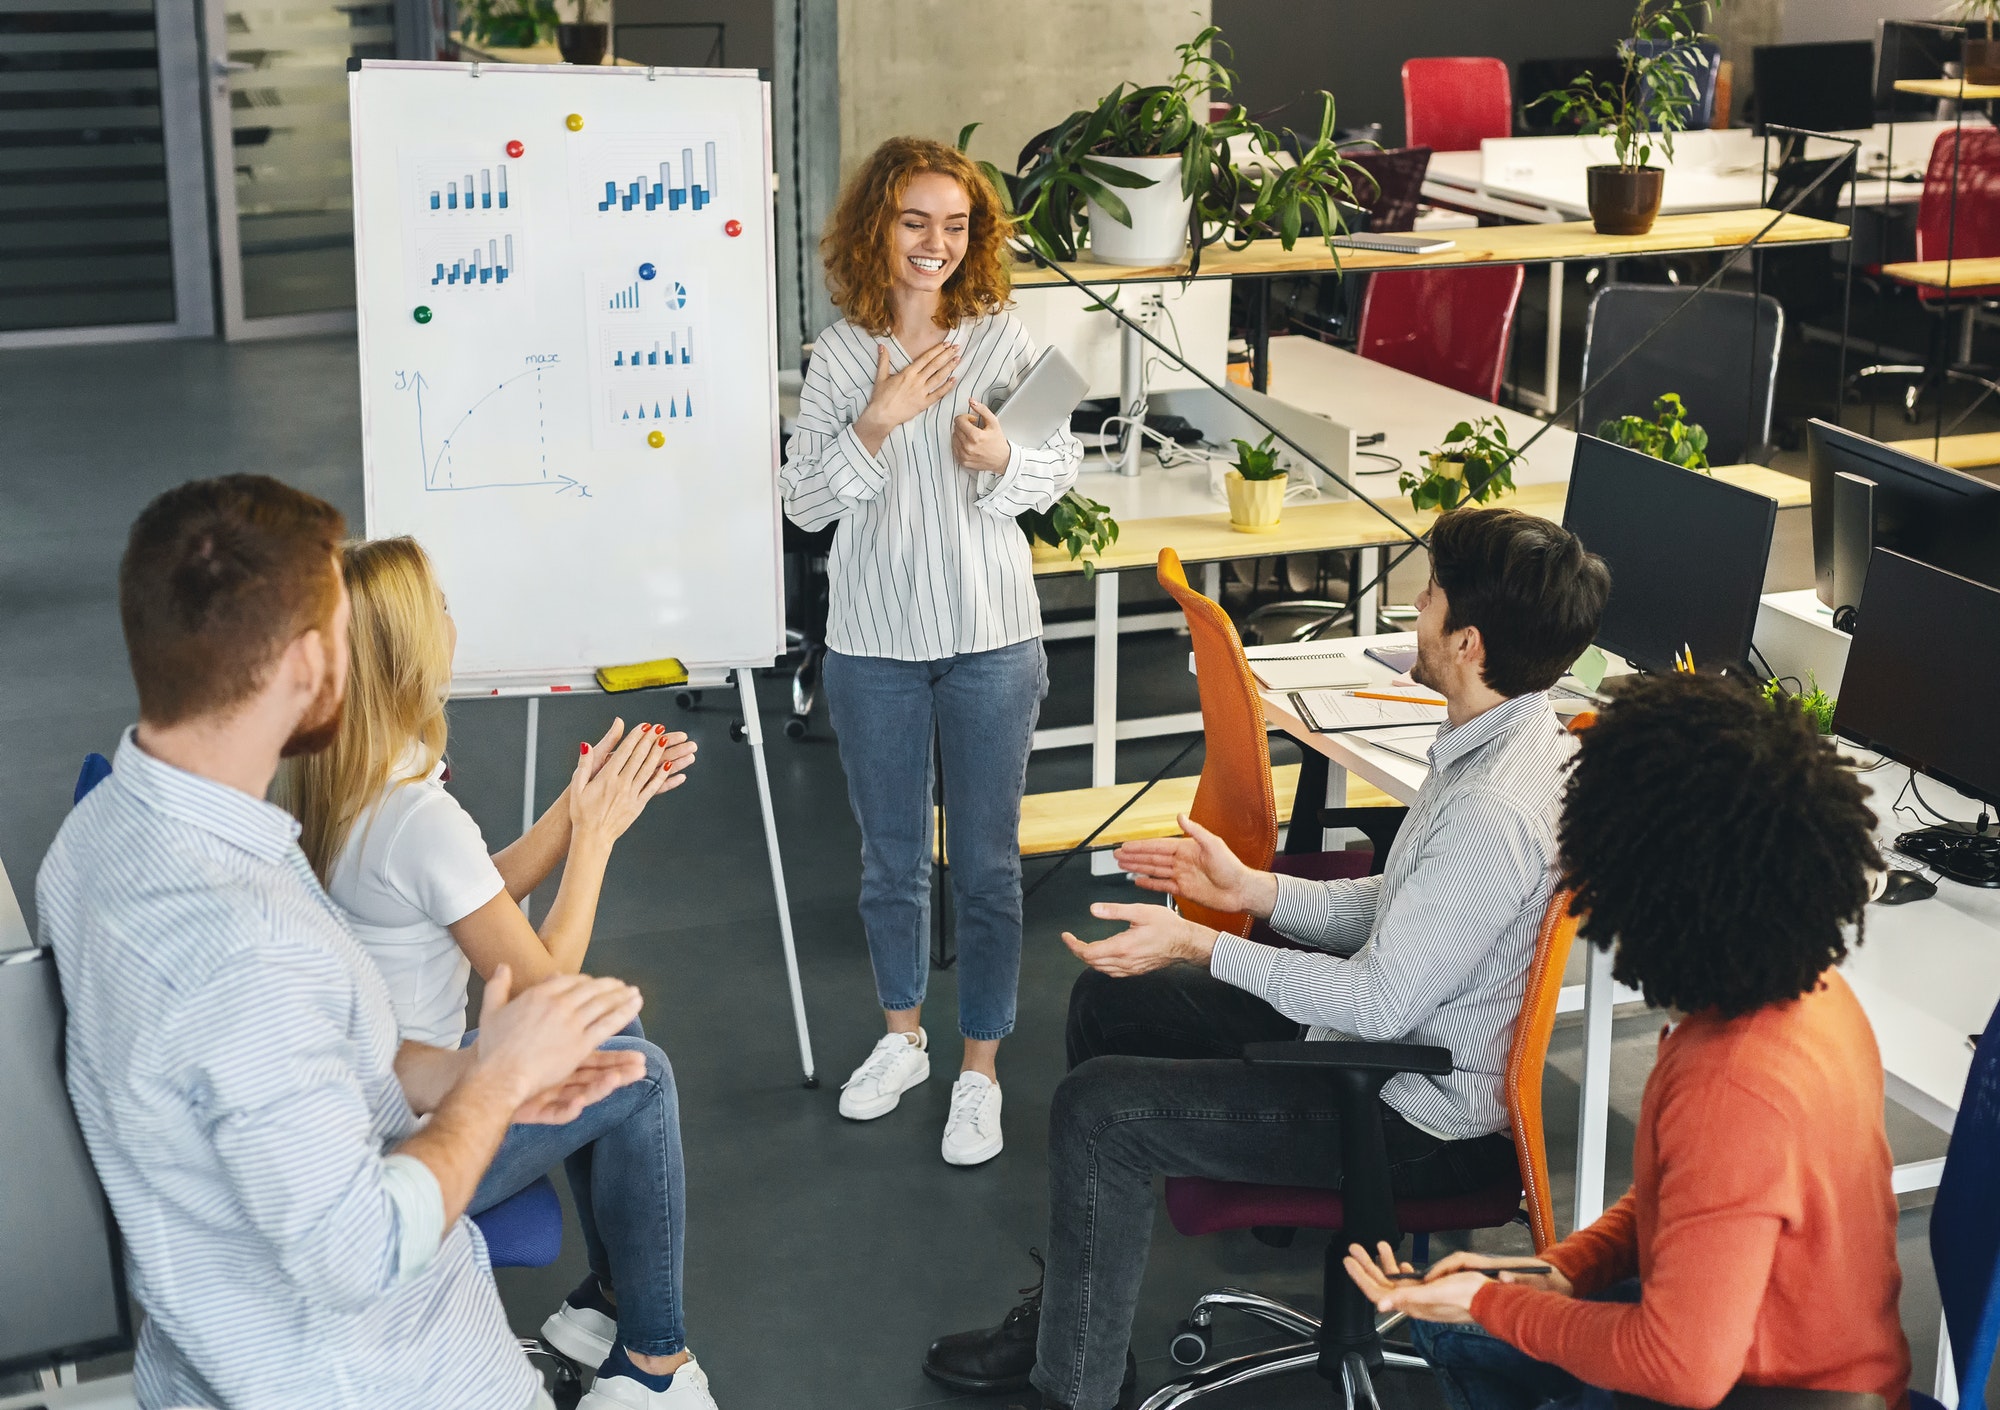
(583, 432)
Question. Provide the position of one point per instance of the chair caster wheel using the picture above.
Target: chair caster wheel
(796, 727)
(687, 699)
(737, 733)
(1190, 1345)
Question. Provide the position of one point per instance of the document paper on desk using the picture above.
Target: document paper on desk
(1340, 711)
(1321, 670)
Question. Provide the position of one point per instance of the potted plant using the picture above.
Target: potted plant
(1110, 172)
(1074, 525)
(1473, 464)
(1256, 487)
(1669, 436)
(1659, 82)
(508, 24)
(1982, 56)
(585, 40)
(1817, 705)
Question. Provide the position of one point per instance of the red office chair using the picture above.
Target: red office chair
(1450, 105)
(1448, 326)
(1972, 164)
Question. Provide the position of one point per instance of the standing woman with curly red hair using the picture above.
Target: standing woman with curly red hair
(934, 619)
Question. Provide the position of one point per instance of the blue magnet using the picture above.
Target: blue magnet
(646, 271)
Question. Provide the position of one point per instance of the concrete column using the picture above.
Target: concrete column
(926, 68)
(1740, 26)
(805, 108)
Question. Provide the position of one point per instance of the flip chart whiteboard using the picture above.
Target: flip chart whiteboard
(568, 358)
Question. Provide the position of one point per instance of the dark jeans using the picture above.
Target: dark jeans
(623, 1159)
(1156, 1088)
(1478, 1371)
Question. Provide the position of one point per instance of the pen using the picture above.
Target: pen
(1541, 1268)
(1398, 699)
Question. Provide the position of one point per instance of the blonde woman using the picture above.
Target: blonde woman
(407, 864)
(934, 621)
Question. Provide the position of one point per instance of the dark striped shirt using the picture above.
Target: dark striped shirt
(928, 561)
(1436, 949)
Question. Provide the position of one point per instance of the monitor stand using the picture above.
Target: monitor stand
(1853, 542)
(1957, 851)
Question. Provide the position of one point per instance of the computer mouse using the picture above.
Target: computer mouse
(1902, 886)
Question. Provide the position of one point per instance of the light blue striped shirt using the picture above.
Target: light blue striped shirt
(231, 1054)
(1435, 950)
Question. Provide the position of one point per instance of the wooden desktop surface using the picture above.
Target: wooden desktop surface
(1947, 273)
(1348, 523)
(1951, 89)
(1964, 452)
(1498, 244)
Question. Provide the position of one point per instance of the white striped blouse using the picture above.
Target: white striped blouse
(1436, 949)
(928, 561)
(231, 1060)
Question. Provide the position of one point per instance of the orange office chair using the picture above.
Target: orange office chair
(1234, 799)
(1346, 1343)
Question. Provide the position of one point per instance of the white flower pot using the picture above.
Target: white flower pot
(1159, 230)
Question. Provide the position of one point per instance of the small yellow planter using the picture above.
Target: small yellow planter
(1254, 505)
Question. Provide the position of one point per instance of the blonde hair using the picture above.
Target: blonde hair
(399, 673)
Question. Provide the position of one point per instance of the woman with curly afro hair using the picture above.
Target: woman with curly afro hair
(1722, 850)
(934, 623)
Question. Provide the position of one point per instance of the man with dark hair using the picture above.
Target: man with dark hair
(1722, 850)
(1434, 950)
(295, 1236)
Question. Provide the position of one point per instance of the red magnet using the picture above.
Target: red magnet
(732, 228)
(514, 148)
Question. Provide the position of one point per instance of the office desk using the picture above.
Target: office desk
(1174, 509)
(1927, 973)
(1962, 452)
(1946, 273)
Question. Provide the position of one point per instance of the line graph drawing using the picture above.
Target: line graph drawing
(485, 445)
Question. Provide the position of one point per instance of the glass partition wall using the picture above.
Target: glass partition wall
(278, 128)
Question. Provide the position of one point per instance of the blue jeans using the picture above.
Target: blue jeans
(623, 1158)
(984, 706)
(1478, 1371)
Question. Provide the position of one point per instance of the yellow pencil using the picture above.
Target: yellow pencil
(1399, 699)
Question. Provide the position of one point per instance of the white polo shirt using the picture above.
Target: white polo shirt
(414, 864)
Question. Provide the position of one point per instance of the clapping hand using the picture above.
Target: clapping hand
(1199, 868)
(1445, 1292)
(611, 787)
(1156, 938)
(543, 1043)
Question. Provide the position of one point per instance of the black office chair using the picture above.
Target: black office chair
(808, 597)
(1720, 354)
(1809, 282)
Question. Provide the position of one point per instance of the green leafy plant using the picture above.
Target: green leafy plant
(1075, 522)
(1669, 436)
(508, 24)
(1658, 85)
(1259, 462)
(1813, 700)
(1472, 465)
(1060, 170)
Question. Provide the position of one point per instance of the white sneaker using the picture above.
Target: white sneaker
(584, 1327)
(688, 1392)
(972, 1131)
(895, 1066)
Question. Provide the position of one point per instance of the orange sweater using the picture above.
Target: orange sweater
(1760, 1222)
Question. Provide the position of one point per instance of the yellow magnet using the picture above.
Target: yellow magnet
(656, 439)
(574, 122)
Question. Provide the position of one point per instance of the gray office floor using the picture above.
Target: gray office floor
(822, 1255)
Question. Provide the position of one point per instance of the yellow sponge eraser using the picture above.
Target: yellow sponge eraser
(643, 676)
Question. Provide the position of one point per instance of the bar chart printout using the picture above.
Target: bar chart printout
(674, 348)
(491, 264)
(473, 192)
(664, 185)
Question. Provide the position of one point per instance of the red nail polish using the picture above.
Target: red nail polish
(583, 748)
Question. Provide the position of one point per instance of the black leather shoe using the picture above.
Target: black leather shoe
(999, 1358)
(992, 1358)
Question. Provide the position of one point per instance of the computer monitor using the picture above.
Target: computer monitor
(1686, 553)
(1912, 49)
(1922, 676)
(1923, 510)
(64, 1298)
(1821, 87)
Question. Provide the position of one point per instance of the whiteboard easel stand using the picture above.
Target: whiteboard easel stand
(753, 734)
